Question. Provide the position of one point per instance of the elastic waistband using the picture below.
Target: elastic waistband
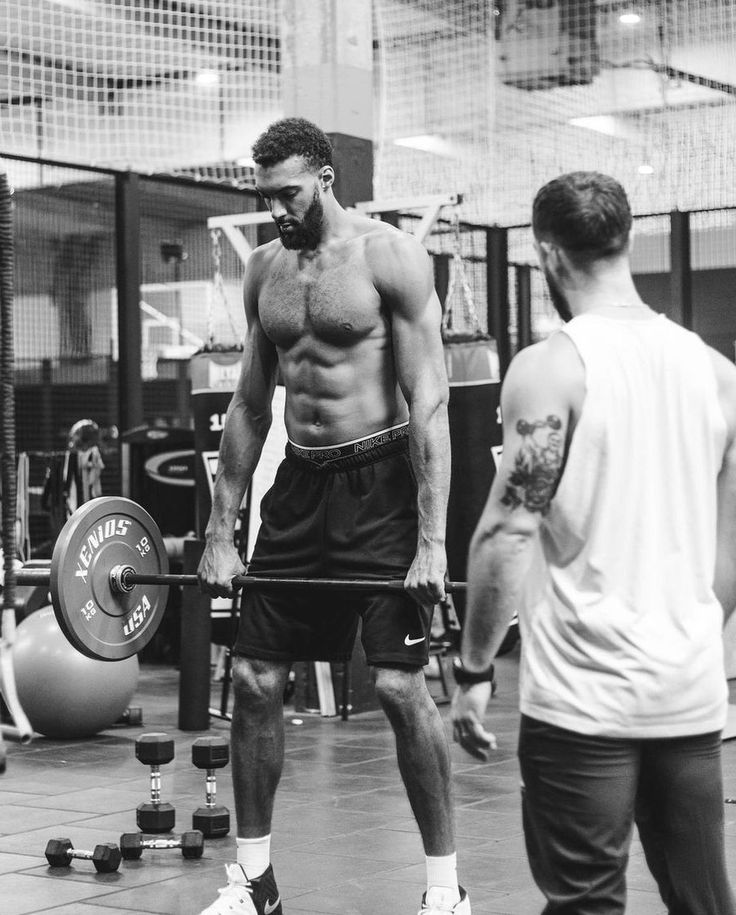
(350, 454)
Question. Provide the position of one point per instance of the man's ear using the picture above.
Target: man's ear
(544, 251)
(553, 259)
(326, 176)
(630, 240)
(558, 258)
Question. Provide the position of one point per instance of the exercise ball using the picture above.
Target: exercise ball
(64, 693)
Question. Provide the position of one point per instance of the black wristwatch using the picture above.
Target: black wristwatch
(466, 677)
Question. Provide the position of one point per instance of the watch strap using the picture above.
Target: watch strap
(467, 677)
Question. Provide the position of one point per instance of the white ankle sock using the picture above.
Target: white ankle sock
(442, 871)
(254, 855)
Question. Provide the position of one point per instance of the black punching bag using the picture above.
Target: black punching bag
(214, 375)
(475, 431)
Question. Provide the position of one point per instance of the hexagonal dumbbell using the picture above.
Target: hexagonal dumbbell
(133, 844)
(132, 717)
(155, 750)
(211, 753)
(105, 857)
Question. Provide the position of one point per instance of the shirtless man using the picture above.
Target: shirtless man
(619, 462)
(344, 308)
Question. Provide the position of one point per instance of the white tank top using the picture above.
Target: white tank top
(624, 636)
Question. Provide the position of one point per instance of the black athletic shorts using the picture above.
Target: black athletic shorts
(348, 512)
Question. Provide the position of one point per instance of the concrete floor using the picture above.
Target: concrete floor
(344, 840)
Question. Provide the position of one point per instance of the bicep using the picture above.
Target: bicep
(419, 356)
(535, 410)
(416, 316)
(259, 364)
(258, 370)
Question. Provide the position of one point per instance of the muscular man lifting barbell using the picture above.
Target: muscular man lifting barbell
(343, 308)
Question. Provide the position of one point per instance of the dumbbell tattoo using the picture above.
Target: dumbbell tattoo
(537, 465)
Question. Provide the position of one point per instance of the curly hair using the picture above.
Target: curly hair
(586, 213)
(293, 137)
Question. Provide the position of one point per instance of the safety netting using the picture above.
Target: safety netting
(157, 86)
(487, 97)
(495, 98)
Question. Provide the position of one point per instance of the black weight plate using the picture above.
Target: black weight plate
(98, 621)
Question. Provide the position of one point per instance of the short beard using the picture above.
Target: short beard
(558, 299)
(307, 234)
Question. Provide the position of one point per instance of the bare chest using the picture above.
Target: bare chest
(335, 302)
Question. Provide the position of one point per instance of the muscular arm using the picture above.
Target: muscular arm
(724, 582)
(541, 396)
(538, 396)
(406, 284)
(247, 422)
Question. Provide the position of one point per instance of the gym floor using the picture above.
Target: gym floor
(344, 840)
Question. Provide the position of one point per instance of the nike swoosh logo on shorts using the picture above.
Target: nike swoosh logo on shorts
(410, 641)
(271, 906)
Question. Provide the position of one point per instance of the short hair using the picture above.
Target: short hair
(586, 213)
(293, 137)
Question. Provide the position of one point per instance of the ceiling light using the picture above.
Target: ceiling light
(601, 123)
(81, 6)
(612, 125)
(629, 18)
(646, 169)
(427, 143)
(207, 78)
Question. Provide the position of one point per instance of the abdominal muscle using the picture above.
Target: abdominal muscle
(335, 395)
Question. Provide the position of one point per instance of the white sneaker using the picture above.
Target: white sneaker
(438, 901)
(242, 896)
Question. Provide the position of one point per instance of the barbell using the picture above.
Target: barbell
(109, 579)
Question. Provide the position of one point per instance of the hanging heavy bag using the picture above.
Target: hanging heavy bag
(471, 359)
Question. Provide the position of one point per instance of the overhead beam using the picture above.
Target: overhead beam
(431, 205)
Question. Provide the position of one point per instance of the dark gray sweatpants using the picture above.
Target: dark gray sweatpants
(581, 797)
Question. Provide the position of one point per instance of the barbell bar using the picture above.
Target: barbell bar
(126, 578)
(263, 583)
(109, 579)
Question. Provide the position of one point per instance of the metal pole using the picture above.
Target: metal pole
(128, 281)
(497, 268)
(681, 276)
(523, 306)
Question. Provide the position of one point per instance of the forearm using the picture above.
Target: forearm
(242, 441)
(498, 563)
(429, 449)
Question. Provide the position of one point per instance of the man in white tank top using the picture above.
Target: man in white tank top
(612, 520)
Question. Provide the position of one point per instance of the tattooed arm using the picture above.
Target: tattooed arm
(541, 398)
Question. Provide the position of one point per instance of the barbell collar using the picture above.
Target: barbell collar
(120, 579)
